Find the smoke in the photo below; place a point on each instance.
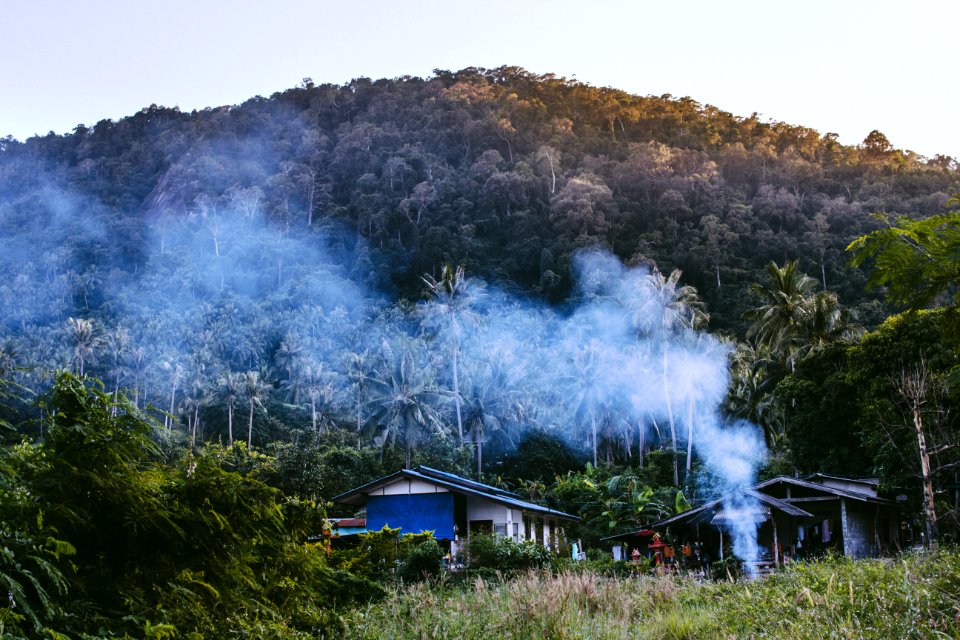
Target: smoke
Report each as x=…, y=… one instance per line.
x=214, y=283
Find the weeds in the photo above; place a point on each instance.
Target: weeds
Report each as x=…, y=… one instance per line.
x=916, y=596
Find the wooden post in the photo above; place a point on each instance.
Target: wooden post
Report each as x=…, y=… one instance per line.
x=776, y=541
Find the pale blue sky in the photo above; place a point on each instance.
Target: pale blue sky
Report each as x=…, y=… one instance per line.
x=846, y=67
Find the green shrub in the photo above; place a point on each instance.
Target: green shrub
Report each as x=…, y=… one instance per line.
x=422, y=561
x=600, y=562
x=491, y=553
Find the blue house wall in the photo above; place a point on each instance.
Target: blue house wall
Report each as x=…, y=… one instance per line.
x=413, y=513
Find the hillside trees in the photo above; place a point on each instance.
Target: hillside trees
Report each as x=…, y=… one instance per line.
x=213, y=237
x=791, y=323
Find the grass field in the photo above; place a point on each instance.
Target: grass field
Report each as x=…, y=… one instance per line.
x=913, y=596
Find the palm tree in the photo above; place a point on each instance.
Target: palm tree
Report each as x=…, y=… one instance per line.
x=310, y=379
x=665, y=310
x=451, y=296
x=229, y=387
x=118, y=344
x=754, y=375
x=588, y=389
x=176, y=372
x=254, y=389
x=137, y=364
x=85, y=341
x=196, y=398
x=491, y=405
x=780, y=321
x=358, y=371
x=827, y=323
x=289, y=354
x=402, y=403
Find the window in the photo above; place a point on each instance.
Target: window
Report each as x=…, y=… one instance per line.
x=481, y=527
x=516, y=531
x=500, y=529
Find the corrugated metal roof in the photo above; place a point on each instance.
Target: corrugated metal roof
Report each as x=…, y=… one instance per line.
x=453, y=483
x=843, y=493
x=709, y=512
x=443, y=475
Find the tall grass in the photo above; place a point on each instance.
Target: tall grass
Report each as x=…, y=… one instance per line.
x=915, y=596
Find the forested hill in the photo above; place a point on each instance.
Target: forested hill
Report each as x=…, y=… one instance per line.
x=502, y=171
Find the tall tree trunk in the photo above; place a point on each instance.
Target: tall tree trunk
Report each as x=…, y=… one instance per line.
x=553, y=175
x=689, y=436
x=250, y=429
x=359, y=407
x=313, y=411
x=230, y=423
x=823, y=269
x=929, y=508
x=673, y=428
x=116, y=394
x=914, y=386
x=173, y=395
x=456, y=393
x=196, y=419
x=480, y=457
x=593, y=429
x=641, y=441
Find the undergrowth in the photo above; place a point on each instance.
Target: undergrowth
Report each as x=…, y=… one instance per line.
x=914, y=596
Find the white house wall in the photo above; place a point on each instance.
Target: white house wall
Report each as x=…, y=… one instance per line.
x=480, y=509
x=403, y=486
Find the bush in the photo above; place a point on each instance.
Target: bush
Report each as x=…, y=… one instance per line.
x=422, y=561
x=384, y=555
x=490, y=553
x=600, y=562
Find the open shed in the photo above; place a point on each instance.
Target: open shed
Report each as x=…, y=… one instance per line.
x=794, y=517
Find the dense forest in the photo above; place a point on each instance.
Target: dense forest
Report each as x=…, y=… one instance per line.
x=594, y=297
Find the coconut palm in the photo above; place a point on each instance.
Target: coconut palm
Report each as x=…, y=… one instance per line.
x=229, y=389
x=588, y=389
x=491, y=405
x=175, y=369
x=85, y=342
x=359, y=368
x=403, y=402
x=254, y=389
x=662, y=309
x=196, y=397
x=451, y=298
x=781, y=319
x=311, y=380
x=754, y=375
x=827, y=323
x=289, y=354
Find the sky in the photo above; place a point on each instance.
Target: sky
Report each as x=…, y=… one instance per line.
x=841, y=66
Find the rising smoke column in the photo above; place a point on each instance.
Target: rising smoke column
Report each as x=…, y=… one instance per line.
x=217, y=286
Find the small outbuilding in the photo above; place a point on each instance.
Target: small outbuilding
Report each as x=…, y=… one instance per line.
x=794, y=518
x=453, y=507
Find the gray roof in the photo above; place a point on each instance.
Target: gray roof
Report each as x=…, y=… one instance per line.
x=453, y=483
x=843, y=493
x=706, y=513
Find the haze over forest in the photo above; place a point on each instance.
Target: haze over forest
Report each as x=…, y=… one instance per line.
x=502, y=274
x=220, y=239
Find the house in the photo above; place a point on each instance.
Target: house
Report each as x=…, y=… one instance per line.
x=795, y=518
x=425, y=499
